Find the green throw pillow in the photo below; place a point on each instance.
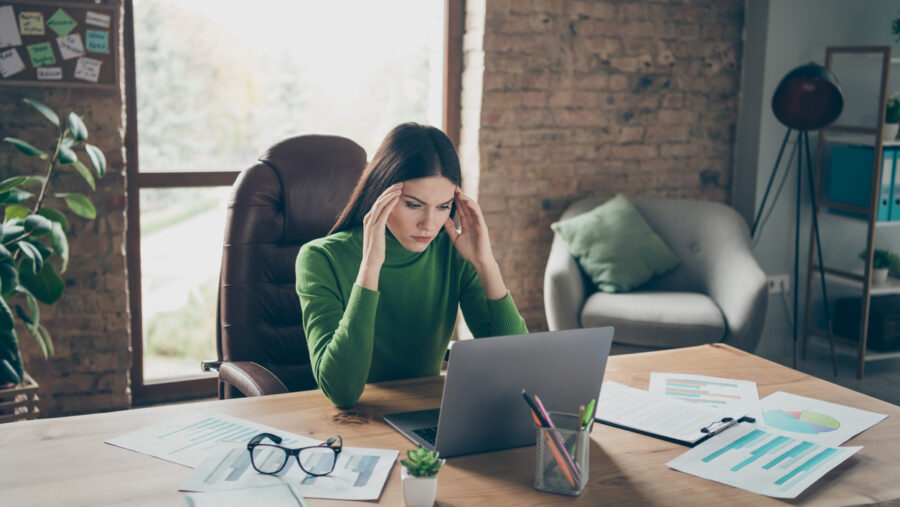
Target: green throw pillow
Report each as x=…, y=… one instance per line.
x=615, y=246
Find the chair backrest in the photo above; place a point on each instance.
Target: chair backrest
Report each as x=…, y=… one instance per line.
x=293, y=195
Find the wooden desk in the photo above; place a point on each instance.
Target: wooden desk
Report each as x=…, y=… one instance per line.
x=64, y=461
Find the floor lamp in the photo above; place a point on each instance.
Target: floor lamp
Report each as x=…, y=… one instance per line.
x=808, y=98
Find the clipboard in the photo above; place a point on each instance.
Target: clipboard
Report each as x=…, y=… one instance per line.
x=642, y=412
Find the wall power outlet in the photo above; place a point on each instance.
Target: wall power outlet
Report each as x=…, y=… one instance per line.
x=779, y=283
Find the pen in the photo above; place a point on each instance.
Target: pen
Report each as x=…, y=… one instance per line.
x=588, y=413
x=551, y=444
x=546, y=415
x=581, y=415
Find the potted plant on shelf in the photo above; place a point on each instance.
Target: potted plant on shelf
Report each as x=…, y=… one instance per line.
x=882, y=260
x=891, y=116
x=419, y=477
x=33, y=233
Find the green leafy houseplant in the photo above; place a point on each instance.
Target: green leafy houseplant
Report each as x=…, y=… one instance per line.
x=33, y=231
x=882, y=259
x=422, y=462
x=892, y=109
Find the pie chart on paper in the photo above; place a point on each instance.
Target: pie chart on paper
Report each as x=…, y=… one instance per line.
x=800, y=421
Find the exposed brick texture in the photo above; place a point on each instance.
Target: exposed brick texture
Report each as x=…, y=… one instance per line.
x=582, y=98
x=89, y=371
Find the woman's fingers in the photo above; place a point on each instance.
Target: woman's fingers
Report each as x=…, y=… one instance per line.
x=450, y=227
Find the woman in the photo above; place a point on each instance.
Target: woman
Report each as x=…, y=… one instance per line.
x=380, y=294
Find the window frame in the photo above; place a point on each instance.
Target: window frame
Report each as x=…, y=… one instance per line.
x=205, y=385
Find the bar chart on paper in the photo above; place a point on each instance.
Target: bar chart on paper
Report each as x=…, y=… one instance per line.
x=712, y=392
x=762, y=461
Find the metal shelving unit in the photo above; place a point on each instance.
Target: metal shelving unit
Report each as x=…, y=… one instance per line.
x=871, y=136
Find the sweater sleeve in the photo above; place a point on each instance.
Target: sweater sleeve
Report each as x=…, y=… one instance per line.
x=339, y=331
x=486, y=317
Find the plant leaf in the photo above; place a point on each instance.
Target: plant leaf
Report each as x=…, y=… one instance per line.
x=16, y=211
x=77, y=128
x=55, y=216
x=9, y=276
x=42, y=337
x=31, y=253
x=98, y=159
x=79, y=204
x=12, y=182
x=15, y=196
x=60, y=244
x=26, y=147
x=85, y=173
x=38, y=225
x=7, y=321
x=8, y=373
x=46, y=285
x=31, y=181
x=66, y=155
x=12, y=229
x=44, y=110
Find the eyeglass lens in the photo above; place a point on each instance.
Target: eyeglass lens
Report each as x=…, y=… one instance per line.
x=268, y=459
x=317, y=460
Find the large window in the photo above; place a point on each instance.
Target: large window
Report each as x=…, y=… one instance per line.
x=210, y=87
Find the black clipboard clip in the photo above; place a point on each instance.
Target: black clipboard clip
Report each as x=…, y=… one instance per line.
x=716, y=427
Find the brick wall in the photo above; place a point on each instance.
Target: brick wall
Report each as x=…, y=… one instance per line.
x=584, y=98
x=89, y=371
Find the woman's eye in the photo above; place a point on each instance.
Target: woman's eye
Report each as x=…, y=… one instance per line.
x=446, y=207
x=412, y=205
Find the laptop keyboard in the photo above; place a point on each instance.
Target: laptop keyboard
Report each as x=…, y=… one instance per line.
x=427, y=434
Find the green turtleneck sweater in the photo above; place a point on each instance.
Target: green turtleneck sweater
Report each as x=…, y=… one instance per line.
x=356, y=335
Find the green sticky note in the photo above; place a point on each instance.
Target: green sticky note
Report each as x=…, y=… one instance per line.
x=61, y=23
x=41, y=54
x=97, y=41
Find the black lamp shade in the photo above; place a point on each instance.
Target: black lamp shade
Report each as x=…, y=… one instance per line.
x=808, y=98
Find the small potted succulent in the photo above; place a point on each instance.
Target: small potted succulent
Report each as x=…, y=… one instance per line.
x=882, y=260
x=891, y=116
x=419, y=477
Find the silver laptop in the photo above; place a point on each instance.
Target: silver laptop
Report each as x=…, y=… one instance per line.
x=482, y=408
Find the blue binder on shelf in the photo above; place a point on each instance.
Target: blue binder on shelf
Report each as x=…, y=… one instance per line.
x=849, y=179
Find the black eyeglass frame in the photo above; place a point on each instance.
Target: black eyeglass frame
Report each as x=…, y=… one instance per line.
x=256, y=441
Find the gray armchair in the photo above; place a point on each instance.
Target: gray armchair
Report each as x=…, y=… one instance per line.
x=717, y=293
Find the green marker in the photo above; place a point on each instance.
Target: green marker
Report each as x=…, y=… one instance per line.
x=588, y=414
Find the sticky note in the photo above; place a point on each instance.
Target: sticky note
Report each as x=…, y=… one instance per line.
x=70, y=46
x=97, y=41
x=61, y=23
x=31, y=23
x=10, y=62
x=87, y=69
x=41, y=54
x=49, y=73
x=97, y=19
x=9, y=31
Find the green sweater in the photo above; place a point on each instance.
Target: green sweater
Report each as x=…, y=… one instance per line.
x=356, y=335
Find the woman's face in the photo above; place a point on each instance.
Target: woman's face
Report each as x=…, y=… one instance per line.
x=423, y=208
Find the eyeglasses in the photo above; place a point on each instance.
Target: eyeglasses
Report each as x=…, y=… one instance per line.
x=316, y=460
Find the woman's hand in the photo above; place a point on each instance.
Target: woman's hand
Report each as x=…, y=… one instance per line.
x=374, y=224
x=473, y=243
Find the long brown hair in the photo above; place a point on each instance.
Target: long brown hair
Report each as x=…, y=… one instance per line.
x=409, y=151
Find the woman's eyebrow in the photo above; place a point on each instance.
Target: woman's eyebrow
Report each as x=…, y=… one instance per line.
x=423, y=202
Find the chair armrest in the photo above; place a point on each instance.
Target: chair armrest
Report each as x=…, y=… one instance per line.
x=252, y=379
x=563, y=288
x=740, y=289
x=210, y=365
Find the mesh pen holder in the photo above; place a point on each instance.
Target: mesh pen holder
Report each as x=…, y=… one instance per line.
x=548, y=475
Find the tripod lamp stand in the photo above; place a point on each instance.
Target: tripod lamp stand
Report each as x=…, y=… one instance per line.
x=807, y=98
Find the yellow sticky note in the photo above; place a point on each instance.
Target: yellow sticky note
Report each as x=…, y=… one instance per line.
x=31, y=23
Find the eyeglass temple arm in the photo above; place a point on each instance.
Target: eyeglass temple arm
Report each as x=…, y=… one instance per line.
x=275, y=438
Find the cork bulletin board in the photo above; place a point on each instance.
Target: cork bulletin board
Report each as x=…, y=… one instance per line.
x=61, y=44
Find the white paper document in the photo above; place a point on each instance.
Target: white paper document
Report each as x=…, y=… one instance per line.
x=70, y=46
x=49, y=73
x=97, y=19
x=815, y=420
x=760, y=460
x=10, y=62
x=190, y=439
x=9, y=29
x=713, y=392
x=88, y=69
x=640, y=410
x=279, y=495
x=359, y=474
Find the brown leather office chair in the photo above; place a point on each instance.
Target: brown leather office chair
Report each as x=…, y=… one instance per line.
x=293, y=195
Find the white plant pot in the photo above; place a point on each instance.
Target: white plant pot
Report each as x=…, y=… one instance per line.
x=879, y=276
x=890, y=131
x=418, y=491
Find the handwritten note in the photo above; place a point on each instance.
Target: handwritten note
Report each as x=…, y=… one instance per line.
x=97, y=19
x=61, y=23
x=31, y=23
x=9, y=31
x=97, y=41
x=49, y=73
x=10, y=62
x=41, y=54
x=87, y=69
x=70, y=46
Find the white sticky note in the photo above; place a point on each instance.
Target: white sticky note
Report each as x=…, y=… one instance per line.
x=70, y=46
x=97, y=19
x=9, y=29
x=49, y=73
x=87, y=69
x=10, y=62
x=31, y=23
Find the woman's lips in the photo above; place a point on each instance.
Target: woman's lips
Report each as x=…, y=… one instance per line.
x=422, y=239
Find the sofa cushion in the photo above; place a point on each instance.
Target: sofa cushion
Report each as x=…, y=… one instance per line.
x=656, y=319
x=615, y=246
